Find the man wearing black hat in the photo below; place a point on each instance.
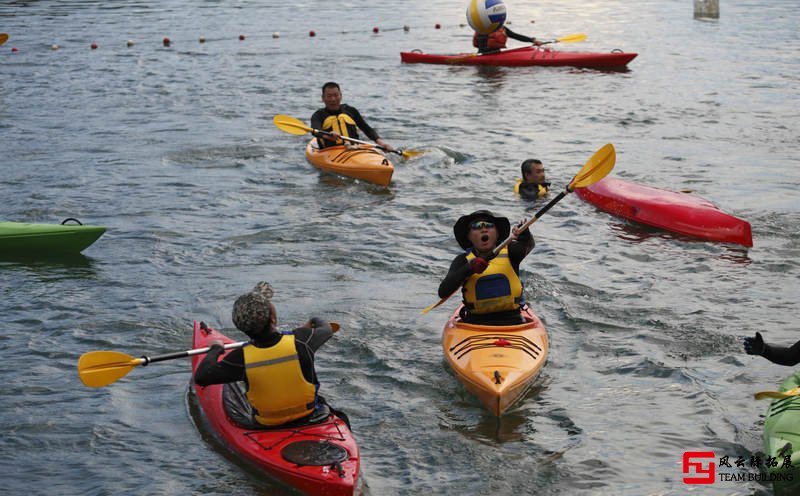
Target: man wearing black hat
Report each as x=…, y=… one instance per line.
x=490, y=285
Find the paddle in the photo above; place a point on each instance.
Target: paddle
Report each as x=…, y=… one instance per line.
x=777, y=394
x=598, y=167
x=570, y=38
x=291, y=125
x=101, y=368
x=3, y=38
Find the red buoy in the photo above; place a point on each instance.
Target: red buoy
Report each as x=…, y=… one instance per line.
x=438, y=26
x=94, y=46
x=241, y=37
x=167, y=42
x=312, y=33
x=375, y=29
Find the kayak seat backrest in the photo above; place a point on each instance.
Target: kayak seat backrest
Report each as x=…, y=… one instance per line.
x=241, y=412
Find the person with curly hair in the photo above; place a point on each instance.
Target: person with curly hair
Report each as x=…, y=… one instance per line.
x=277, y=368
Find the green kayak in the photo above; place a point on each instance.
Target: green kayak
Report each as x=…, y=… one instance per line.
x=19, y=238
x=782, y=438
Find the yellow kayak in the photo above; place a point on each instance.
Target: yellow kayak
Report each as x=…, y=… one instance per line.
x=358, y=162
x=496, y=363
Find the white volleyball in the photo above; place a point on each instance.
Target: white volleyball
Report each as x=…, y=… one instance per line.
x=486, y=16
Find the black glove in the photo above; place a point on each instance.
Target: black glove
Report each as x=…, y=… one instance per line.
x=754, y=345
x=478, y=265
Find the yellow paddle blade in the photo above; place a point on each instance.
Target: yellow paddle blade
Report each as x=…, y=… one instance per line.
x=101, y=368
x=598, y=167
x=411, y=153
x=428, y=309
x=3, y=38
x=572, y=38
x=289, y=124
x=777, y=394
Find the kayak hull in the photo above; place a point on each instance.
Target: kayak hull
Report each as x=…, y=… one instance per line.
x=782, y=438
x=526, y=56
x=681, y=213
x=358, y=162
x=497, y=364
x=19, y=238
x=265, y=449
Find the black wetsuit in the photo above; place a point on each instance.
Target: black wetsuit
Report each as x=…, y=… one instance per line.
x=320, y=115
x=231, y=368
x=460, y=271
x=782, y=355
x=530, y=191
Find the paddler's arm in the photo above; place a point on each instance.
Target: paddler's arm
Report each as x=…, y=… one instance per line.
x=521, y=37
x=776, y=354
x=362, y=124
x=314, y=333
x=459, y=271
x=229, y=369
x=520, y=247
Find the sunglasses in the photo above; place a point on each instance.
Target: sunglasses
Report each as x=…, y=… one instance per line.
x=480, y=224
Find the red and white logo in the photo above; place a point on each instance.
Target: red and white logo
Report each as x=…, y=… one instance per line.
x=699, y=467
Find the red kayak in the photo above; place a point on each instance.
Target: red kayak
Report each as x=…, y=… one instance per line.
x=317, y=459
x=670, y=210
x=524, y=57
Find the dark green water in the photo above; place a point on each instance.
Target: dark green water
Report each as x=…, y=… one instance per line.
x=175, y=151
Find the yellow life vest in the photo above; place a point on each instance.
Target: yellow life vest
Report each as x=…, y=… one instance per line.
x=277, y=388
x=497, y=289
x=541, y=189
x=341, y=124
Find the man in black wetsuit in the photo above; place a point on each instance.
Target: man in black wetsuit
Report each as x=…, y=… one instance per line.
x=775, y=354
x=277, y=367
x=533, y=184
x=492, y=290
x=339, y=119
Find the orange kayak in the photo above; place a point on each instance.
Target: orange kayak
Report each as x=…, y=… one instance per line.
x=496, y=363
x=358, y=162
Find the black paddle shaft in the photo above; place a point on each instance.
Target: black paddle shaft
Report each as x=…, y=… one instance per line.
x=534, y=218
x=552, y=202
x=183, y=354
x=161, y=358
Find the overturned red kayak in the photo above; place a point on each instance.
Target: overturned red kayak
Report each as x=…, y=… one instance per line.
x=319, y=458
x=681, y=213
x=526, y=56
